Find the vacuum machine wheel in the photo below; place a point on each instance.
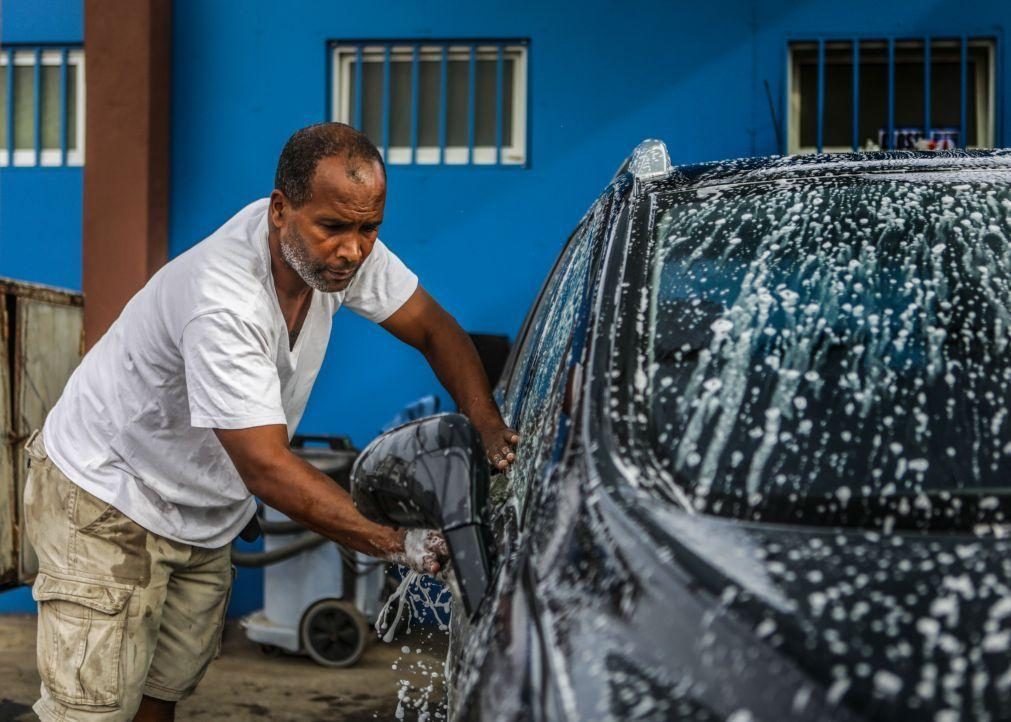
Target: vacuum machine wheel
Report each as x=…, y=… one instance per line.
x=333, y=633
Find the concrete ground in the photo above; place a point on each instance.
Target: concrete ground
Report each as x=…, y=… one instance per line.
x=245, y=684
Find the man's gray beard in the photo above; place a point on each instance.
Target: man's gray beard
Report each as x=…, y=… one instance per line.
x=294, y=254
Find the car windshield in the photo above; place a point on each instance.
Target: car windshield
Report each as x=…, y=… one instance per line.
x=819, y=345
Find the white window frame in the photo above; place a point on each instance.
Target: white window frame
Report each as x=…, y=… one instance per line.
x=50, y=157
x=985, y=99
x=343, y=58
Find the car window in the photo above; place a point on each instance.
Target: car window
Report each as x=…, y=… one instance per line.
x=829, y=346
x=535, y=397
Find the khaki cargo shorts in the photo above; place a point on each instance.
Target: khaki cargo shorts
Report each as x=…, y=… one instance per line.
x=123, y=612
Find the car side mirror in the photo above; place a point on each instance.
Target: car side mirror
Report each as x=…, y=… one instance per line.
x=432, y=473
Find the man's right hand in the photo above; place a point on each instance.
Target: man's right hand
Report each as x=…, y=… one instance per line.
x=424, y=550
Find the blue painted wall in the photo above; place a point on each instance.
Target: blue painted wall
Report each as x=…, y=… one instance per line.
x=41, y=21
x=603, y=75
x=40, y=225
x=40, y=208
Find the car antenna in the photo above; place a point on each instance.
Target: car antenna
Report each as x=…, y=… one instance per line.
x=775, y=121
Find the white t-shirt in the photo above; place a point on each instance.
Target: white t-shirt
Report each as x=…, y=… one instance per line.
x=202, y=346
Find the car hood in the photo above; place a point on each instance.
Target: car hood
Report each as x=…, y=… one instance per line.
x=888, y=625
x=638, y=611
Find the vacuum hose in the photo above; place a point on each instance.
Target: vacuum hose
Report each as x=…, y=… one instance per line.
x=338, y=455
x=280, y=527
x=308, y=540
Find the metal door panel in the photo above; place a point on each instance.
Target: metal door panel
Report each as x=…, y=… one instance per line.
x=47, y=350
x=41, y=342
x=8, y=496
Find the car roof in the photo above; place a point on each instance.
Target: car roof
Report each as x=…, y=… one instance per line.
x=825, y=164
x=795, y=167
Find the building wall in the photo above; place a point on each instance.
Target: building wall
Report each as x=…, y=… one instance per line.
x=40, y=225
x=603, y=76
x=40, y=208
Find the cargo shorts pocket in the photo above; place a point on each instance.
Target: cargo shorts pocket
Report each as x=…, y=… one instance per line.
x=80, y=638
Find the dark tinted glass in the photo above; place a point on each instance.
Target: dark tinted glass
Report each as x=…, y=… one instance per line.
x=842, y=340
x=535, y=397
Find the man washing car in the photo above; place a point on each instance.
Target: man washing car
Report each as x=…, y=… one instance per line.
x=146, y=467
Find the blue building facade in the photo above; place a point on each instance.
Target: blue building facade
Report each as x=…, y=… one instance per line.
x=602, y=76
x=40, y=207
x=714, y=80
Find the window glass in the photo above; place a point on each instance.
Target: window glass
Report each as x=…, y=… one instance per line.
x=50, y=106
x=72, y=110
x=372, y=100
x=24, y=107
x=400, y=101
x=457, y=102
x=826, y=349
x=508, y=94
x=430, y=80
x=534, y=399
x=873, y=112
x=838, y=97
x=944, y=85
x=484, y=120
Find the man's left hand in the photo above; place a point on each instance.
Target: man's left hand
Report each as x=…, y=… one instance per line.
x=500, y=443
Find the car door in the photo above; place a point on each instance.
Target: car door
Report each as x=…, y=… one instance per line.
x=534, y=397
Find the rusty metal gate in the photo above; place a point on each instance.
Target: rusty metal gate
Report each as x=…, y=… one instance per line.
x=41, y=342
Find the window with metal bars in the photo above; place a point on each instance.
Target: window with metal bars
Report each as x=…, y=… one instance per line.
x=891, y=94
x=41, y=106
x=435, y=102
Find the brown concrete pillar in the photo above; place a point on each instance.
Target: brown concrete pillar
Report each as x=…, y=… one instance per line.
x=127, y=46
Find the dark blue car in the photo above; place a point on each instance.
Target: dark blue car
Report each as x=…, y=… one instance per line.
x=766, y=454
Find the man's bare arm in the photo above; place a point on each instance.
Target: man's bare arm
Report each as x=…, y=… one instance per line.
x=273, y=472
x=422, y=323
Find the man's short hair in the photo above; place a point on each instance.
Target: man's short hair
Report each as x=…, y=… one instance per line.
x=308, y=146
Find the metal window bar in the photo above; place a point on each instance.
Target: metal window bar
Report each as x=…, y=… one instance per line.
x=821, y=93
x=63, y=106
x=359, y=94
x=926, y=85
x=386, y=103
x=10, y=107
x=499, y=102
x=890, y=138
x=856, y=95
x=417, y=53
x=415, y=102
x=963, y=64
x=927, y=100
x=37, y=110
x=443, y=95
x=471, y=103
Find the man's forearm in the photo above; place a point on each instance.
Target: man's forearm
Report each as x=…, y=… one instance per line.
x=455, y=361
x=425, y=325
x=306, y=495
